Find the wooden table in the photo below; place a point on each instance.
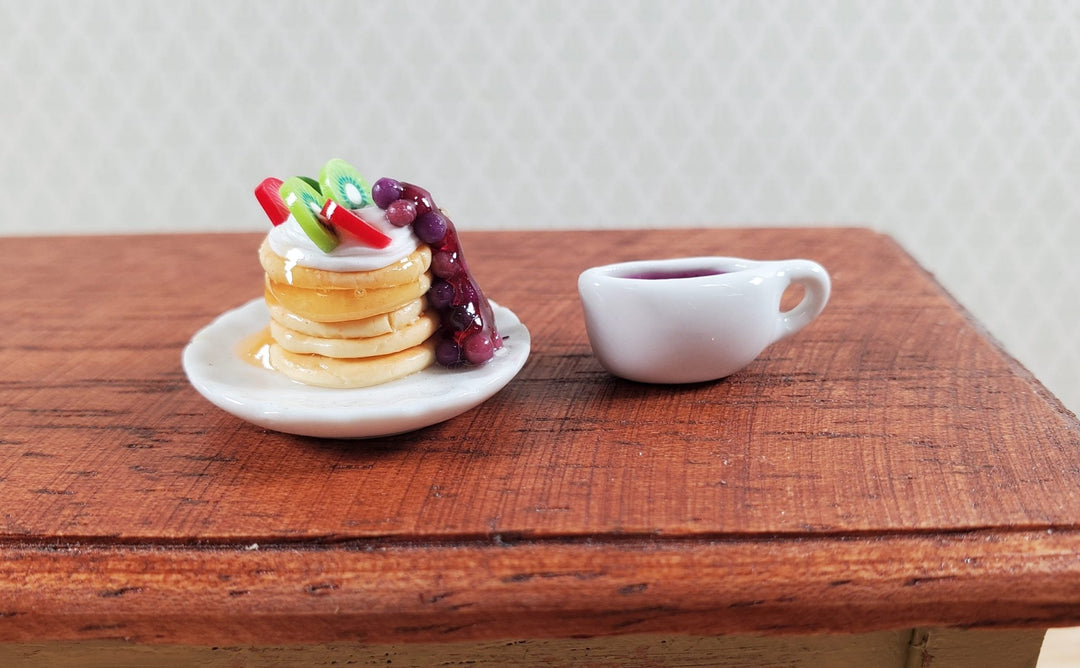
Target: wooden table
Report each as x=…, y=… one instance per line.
x=885, y=483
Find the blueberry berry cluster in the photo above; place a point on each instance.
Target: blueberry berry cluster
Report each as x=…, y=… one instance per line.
x=467, y=333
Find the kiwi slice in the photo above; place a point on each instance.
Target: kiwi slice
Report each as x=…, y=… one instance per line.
x=304, y=204
x=340, y=181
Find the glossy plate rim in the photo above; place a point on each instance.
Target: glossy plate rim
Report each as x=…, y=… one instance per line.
x=266, y=398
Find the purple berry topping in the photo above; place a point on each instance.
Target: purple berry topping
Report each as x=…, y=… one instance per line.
x=430, y=227
x=479, y=347
x=401, y=212
x=444, y=264
x=386, y=191
x=462, y=317
x=447, y=351
x=440, y=295
x=467, y=334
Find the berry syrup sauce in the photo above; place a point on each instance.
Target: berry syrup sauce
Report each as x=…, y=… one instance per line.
x=467, y=333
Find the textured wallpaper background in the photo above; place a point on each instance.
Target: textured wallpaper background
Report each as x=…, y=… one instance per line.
x=953, y=126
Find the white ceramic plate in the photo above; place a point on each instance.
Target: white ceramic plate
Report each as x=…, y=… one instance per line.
x=269, y=399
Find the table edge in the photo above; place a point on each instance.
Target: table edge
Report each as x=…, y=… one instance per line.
x=284, y=594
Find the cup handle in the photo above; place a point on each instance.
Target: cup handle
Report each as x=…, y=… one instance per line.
x=815, y=280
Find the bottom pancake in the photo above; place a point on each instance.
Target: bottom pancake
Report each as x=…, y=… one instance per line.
x=351, y=373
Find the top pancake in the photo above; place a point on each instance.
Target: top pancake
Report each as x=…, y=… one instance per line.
x=405, y=270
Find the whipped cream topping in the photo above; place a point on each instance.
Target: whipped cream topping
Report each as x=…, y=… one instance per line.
x=289, y=241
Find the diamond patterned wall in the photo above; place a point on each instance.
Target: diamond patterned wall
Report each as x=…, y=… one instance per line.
x=953, y=126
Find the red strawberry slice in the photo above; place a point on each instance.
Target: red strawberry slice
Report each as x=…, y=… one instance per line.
x=267, y=194
x=347, y=220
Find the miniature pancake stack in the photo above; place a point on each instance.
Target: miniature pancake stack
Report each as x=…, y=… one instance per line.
x=349, y=329
x=366, y=285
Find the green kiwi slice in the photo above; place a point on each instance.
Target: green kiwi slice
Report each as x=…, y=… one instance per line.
x=340, y=181
x=305, y=203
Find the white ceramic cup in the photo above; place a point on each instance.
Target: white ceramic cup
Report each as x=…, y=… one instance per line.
x=694, y=319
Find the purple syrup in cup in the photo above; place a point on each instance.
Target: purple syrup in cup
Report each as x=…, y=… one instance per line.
x=663, y=275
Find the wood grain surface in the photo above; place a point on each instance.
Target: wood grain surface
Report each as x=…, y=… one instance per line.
x=889, y=466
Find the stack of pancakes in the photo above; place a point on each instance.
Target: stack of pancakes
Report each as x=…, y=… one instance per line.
x=349, y=329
